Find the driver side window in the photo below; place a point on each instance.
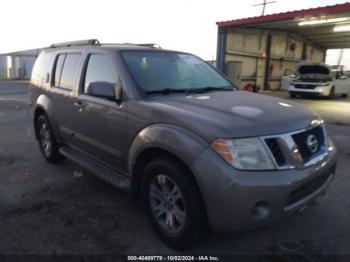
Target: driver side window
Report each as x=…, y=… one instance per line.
x=100, y=69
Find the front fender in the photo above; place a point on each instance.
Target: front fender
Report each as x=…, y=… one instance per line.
x=180, y=142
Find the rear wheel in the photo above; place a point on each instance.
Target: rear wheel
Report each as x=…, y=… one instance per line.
x=344, y=95
x=173, y=203
x=48, y=143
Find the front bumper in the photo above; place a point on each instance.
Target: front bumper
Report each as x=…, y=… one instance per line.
x=318, y=90
x=240, y=200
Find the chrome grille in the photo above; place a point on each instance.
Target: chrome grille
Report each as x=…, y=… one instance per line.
x=276, y=151
x=291, y=150
x=305, y=86
x=301, y=142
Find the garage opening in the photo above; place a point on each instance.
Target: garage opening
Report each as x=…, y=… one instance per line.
x=262, y=51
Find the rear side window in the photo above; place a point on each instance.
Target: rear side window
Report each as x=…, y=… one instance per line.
x=58, y=70
x=67, y=79
x=100, y=69
x=42, y=69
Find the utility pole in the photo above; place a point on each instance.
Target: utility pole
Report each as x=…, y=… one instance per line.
x=264, y=5
x=340, y=57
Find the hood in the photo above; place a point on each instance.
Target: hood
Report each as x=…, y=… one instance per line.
x=314, y=69
x=231, y=114
x=314, y=72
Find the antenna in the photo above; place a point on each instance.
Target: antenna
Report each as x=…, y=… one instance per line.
x=264, y=5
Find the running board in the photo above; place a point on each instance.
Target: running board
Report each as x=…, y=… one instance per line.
x=90, y=164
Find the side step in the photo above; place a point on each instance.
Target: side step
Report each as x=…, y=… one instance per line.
x=107, y=174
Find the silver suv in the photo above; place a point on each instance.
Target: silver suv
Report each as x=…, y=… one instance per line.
x=171, y=129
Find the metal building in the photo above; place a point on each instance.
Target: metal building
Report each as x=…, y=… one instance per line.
x=260, y=50
x=18, y=65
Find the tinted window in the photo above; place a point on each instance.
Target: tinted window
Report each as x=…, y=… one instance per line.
x=42, y=69
x=58, y=69
x=100, y=69
x=68, y=75
x=156, y=70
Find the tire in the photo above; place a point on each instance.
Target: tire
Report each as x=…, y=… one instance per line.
x=344, y=95
x=292, y=95
x=48, y=143
x=173, y=203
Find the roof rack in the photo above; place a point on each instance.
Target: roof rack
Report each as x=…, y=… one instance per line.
x=152, y=45
x=76, y=43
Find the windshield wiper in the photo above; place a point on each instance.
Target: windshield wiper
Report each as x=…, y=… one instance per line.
x=211, y=88
x=166, y=91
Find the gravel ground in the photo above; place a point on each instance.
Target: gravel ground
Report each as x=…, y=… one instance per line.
x=51, y=209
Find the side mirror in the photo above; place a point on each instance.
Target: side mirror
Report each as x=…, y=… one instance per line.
x=119, y=95
x=102, y=89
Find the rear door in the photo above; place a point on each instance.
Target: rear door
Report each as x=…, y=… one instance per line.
x=102, y=123
x=64, y=82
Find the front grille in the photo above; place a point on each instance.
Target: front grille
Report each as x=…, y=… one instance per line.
x=304, y=86
x=309, y=188
x=276, y=151
x=301, y=142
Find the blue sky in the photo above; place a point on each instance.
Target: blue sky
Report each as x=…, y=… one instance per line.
x=186, y=25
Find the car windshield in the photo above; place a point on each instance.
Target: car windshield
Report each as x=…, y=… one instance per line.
x=155, y=71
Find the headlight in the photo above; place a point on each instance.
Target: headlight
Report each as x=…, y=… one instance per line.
x=245, y=153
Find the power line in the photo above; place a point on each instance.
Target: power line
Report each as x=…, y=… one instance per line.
x=264, y=5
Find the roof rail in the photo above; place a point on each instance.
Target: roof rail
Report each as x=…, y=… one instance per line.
x=147, y=44
x=151, y=45
x=76, y=43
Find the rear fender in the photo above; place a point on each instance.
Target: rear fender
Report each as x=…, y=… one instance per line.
x=44, y=103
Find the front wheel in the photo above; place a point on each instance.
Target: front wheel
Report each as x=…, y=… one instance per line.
x=173, y=203
x=48, y=143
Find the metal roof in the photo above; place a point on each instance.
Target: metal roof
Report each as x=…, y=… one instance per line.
x=29, y=52
x=316, y=24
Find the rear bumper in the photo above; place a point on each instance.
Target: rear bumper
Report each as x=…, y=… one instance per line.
x=240, y=200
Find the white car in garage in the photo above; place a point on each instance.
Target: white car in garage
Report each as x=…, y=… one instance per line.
x=319, y=80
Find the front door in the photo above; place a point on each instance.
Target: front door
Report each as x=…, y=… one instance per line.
x=101, y=132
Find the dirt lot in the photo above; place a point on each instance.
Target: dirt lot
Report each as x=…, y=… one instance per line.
x=46, y=209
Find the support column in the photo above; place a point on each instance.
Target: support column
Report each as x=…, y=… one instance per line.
x=267, y=63
x=221, y=49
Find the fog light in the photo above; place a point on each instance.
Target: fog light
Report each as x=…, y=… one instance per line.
x=261, y=210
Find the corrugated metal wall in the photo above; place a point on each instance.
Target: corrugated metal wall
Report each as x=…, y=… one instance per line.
x=248, y=47
x=3, y=67
x=18, y=65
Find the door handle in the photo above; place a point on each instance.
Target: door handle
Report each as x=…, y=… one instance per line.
x=79, y=105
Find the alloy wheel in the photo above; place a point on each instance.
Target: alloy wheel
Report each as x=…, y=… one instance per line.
x=45, y=139
x=167, y=204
